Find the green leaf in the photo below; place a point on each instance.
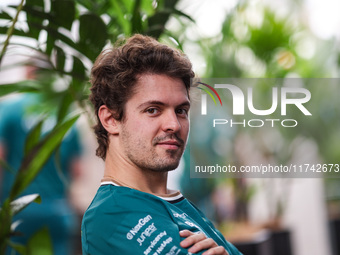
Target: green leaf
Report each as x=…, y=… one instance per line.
x=3, y=31
x=78, y=78
x=5, y=166
x=54, y=34
x=180, y=13
x=171, y=39
x=33, y=137
x=64, y=107
x=157, y=21
x=136, y=22
x=78, y=71
x=60, y=59
x=50, y=42
x=63, y=12
x=93, y=34
x=36, y=3
x=120, y=14
x=10, y=31
x=157, y=24
x=61, y=175
x=36, y=13
x=148, y=7
x=33, y=17
x=33, y=162
x=22, y=202
x=18, y=247
x=5, y=15
x=5, y=219
x=40, y=243
x=274, y=34
x=25, y=86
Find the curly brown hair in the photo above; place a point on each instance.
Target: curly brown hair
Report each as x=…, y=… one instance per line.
x=116, y=71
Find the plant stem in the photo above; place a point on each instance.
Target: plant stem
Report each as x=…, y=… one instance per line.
x=10, y=30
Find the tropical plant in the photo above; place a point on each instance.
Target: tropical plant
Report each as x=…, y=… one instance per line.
x=65, y=37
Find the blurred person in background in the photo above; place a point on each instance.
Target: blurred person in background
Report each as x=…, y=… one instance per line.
x=18, y=114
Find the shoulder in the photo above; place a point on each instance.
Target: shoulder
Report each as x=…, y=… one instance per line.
x=120, y=206
x=115, y=200
x=121, y=219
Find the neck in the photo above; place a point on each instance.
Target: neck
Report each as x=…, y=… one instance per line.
x=129, y=175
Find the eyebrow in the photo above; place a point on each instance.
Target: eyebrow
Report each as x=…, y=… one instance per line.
x=155, y=102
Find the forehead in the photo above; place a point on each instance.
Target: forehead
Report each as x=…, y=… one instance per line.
x=160, y=87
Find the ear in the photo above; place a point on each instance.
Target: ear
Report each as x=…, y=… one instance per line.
x=108, y=121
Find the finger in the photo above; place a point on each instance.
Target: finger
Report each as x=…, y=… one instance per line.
x=207, y=243
x=185, y=233
x=191, y=240
x=219, y=250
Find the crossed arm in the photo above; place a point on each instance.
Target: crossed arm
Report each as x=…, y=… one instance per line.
x=199, y=242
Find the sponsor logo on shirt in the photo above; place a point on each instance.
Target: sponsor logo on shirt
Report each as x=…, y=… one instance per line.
x=183, y=215
x=146, y=233
x=162, y=246
x=154, y=242
x=140, y=224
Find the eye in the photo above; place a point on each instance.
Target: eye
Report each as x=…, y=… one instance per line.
x=152, y=111
x=182, y=111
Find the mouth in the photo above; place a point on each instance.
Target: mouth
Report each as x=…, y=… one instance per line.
x=169, y=144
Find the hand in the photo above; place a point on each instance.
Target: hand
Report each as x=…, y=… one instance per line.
x=199, y=242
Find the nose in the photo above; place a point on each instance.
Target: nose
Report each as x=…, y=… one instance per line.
x=171, y=123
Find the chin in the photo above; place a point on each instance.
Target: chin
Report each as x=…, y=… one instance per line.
x=165, y=168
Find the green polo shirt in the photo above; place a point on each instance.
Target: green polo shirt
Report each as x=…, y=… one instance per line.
x=122, y=220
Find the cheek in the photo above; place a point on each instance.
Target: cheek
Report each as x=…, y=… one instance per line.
x=185, y=127
x=137, y=126
x=185, y=124
x=144, y=128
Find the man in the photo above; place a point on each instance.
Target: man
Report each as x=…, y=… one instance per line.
x=140, y=92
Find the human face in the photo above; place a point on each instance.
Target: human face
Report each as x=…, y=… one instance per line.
x=155, y=126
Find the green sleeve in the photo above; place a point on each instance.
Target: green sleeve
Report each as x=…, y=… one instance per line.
x=138, y=233
x=148, y=229
x=232, y=250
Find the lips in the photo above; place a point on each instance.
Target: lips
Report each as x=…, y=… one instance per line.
x=170, y=144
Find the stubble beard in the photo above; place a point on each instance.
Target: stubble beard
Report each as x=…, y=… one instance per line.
x=148, y=159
